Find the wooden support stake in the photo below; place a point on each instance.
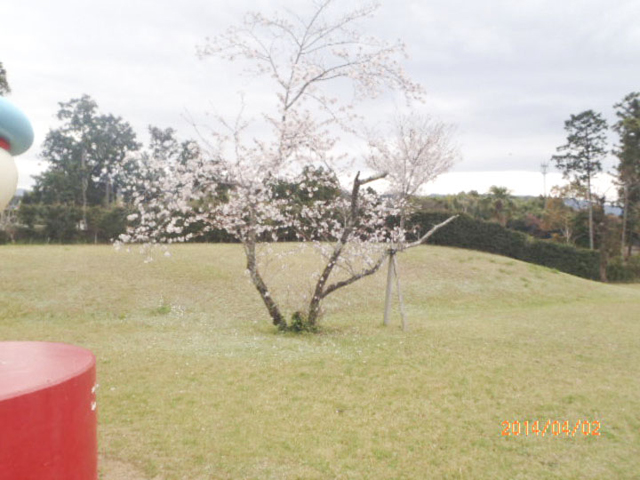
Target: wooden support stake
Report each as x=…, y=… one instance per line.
x=405, y=326
x=387, y=298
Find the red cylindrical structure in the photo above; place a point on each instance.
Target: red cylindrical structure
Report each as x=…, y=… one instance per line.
x=47, y=412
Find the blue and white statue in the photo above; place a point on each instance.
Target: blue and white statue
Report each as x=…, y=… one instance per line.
x=16, y=136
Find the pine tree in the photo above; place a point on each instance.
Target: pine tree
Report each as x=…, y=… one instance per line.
x=580, y=159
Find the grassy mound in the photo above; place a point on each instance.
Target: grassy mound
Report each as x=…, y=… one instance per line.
x=195, y=383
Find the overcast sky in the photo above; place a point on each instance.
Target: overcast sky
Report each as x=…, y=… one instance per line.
x=507, y=73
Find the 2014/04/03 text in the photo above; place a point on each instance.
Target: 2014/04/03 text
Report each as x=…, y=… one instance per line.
x=555, y=428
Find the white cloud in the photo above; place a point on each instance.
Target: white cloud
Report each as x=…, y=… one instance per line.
x=507, y=73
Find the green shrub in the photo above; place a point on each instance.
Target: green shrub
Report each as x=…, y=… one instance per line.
x=299, y=324
x=105, y=224
x=61, y=222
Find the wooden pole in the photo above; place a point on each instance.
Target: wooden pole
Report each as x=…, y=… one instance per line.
x=393, y=271
x=405, y=326
x=387, y=298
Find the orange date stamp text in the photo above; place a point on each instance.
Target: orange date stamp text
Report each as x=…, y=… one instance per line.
x=553, y=428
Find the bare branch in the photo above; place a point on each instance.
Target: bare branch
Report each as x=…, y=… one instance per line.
x=347, y=19
x=365, y=273
x=433, y=230
x=372, y=178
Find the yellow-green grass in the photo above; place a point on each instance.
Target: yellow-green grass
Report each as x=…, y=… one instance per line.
x=196, y=384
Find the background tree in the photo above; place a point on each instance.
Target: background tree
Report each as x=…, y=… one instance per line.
x=302, y=57
x=84, y=154
x=163, y=143
x=608, y=235
x=558, y=217
x=628, y=153
x=4, y=84
x=582, y=155
x=470, y=203
x=500, y=204
x=315, y=184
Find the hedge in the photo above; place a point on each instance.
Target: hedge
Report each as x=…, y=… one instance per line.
x=619, y=271
x=39, y=223
x=466, y=232
x=58, y=223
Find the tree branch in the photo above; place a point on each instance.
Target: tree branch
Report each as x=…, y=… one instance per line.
x=372, y=178
x=426, y=236
x=365, y=273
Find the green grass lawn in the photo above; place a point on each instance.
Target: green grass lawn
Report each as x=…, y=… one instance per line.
x=196, y=384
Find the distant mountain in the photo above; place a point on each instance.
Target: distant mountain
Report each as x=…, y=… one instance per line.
x=581, y=204
x=569, y=202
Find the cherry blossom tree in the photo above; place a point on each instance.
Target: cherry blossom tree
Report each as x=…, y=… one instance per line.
x=236, y=182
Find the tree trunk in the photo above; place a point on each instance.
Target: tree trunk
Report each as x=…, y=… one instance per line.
x=85, y=187
x=604, y=260
x=603, y=230
x=319, y=292
x=624, y=222
x=249, y=245
x=567, y=232
x=258, y=282
x=590, y=213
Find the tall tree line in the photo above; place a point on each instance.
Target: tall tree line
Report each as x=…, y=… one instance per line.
x=82, y=194
x=580, y=160
x=628, y=152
